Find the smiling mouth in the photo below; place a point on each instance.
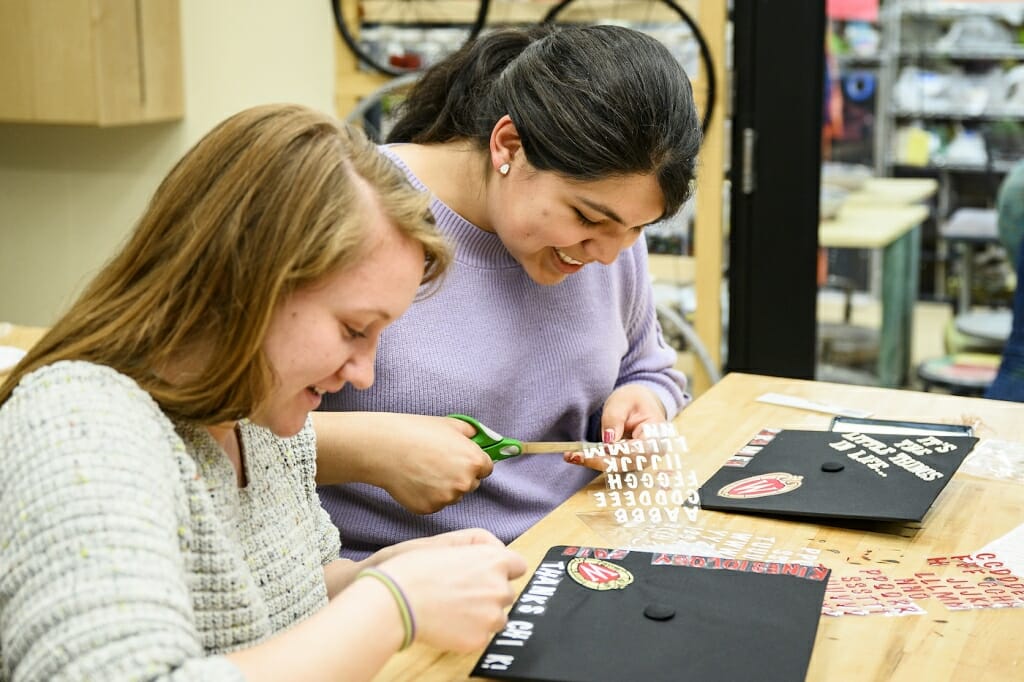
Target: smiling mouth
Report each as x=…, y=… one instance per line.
x=566, y=259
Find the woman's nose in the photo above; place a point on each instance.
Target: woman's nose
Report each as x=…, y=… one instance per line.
x=358, y=369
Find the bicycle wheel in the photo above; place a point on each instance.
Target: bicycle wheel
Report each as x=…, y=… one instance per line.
x=373, y=112
x=660, y=19
x=397, y=37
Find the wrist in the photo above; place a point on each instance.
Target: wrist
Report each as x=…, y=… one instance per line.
x=399, y=599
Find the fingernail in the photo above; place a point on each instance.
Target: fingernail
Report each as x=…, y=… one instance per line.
x=609, y=435
x=573, y=458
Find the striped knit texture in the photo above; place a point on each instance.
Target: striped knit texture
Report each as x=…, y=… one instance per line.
x=127, y=550
x=532, y=362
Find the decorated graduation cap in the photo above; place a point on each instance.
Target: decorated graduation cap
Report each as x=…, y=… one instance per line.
x=851, y=475
x=610, y=615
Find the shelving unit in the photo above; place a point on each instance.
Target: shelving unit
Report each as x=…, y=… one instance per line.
x=958, y=125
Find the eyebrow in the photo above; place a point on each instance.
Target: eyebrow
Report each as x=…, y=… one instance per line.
x=601, y=208
x=376, y=313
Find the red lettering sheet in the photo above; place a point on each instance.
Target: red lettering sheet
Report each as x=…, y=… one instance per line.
x=958, y=582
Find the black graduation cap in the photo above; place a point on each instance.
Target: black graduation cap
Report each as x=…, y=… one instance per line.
x=602, y=615
x=851, y=475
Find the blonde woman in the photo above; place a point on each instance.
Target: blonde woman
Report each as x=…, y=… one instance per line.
x=158, y=513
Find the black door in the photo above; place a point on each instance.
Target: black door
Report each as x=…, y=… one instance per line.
x=778, y=73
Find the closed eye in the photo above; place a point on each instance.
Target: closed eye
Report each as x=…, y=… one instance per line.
x=353, y=334
x=584, y=220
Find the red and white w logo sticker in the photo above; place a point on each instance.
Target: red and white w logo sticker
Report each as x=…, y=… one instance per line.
x=597, y=574
x=762, y=485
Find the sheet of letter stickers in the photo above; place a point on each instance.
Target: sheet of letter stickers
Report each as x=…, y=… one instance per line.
x=697, y=541
x=645, y=481
x=657, y=509
x=985, y=579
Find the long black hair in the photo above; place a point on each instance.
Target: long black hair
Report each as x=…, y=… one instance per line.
x=589, y=102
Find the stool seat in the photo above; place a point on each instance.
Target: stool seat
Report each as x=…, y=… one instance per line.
x=956, y=341
x=990, y=325
x=967, y=374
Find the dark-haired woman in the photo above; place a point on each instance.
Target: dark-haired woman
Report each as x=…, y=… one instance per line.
x=547, y=151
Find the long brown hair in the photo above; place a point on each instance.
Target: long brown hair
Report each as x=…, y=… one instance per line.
x=265, y=203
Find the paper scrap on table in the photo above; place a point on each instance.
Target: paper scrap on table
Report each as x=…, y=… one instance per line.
x=1001, y=460
x=1009, y=549
x=9, y=357
x=804, y=404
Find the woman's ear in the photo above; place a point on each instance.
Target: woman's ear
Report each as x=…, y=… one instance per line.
x=505, y=145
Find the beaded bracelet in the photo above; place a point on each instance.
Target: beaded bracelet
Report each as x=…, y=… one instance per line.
x=408, y=622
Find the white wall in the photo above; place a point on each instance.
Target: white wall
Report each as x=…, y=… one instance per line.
x=69, y=195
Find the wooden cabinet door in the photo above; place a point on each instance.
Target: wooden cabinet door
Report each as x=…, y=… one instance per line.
x=97, y=62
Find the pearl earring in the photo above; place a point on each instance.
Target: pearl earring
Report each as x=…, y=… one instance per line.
x=504, y=168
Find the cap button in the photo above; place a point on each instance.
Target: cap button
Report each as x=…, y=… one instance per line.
x=659, y=611
x=832, y=467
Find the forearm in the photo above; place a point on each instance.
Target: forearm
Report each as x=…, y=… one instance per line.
x=351, y=638
x=347, y=443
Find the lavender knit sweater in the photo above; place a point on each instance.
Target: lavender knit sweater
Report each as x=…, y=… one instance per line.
x=532, y=362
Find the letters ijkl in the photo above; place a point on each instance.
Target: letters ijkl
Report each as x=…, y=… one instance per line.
x=660, y=490
x=878, y=456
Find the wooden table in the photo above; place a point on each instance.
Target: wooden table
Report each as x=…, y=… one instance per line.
x=885, y=215
x=895, y=231
x=939, y=645
x=893, y=192
x=18, y=337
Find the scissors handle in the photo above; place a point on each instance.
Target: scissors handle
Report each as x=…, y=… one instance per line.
x=494, y=444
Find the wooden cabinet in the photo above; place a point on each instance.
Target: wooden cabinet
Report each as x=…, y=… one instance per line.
x=92, y=62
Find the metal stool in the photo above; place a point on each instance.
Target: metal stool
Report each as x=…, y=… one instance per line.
x=963, y=374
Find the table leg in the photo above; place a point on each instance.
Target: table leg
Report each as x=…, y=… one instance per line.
x=900, y=264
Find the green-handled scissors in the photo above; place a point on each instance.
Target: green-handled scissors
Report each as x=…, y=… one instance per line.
x=498, y=447
x=494, y=444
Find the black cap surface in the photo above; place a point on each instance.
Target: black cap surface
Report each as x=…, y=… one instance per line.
x=878, y=477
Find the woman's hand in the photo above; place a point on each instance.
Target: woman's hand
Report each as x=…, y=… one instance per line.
x=627, y=409
x=425, y=463
x=458, y=586
x=625, y=412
